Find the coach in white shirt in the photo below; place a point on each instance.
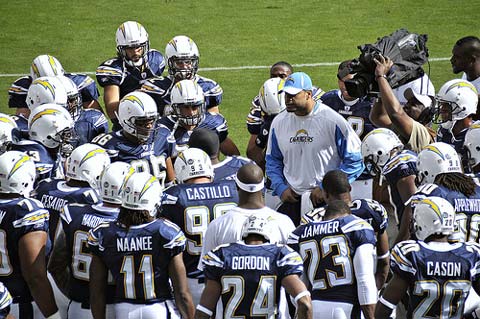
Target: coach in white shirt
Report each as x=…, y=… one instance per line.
x=306, y=142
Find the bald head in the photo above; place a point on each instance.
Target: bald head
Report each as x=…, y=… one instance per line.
x=250, y=174
x=470, y=45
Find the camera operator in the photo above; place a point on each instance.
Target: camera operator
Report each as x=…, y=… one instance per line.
x=412, y=121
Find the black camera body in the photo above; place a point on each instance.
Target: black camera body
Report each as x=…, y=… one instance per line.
x=408, y=51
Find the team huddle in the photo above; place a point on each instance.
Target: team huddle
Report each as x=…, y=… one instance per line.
x=345, y=207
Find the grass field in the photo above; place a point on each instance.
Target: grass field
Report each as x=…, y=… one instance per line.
x=81, y=35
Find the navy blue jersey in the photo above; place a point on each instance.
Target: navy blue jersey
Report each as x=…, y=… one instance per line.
x=148, y=157
x=77, y=221
x=399, y=166
x=22, y=123
x=17, y=93
x=255, y=117
x=138, y=258
x=159, y=89
x=116, y=72
x=446, y=136
x=328, y=248
x=262, y=136
x=228, y=168
x=192, y=207
x=18, y=217
x=251, y=277
x=467, y=209
x=212, y=121
x=367, y=209
x=439, y=276
x=56, y=194
x=89, y=124
x=46, y=162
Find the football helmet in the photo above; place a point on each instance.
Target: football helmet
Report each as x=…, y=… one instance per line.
x=471, y=144
x=74, y=98
x=377, y=147
x=137, y=113
x=7, y=124
x=142, y=191
x=86, y=163
x=45, y=65
x=17, y=173
x=456, y=100
x=188, y=102
x=132, y=34
x=112, y=180
x=434, y=159
x=259, y=225
x=46, y=89
x=433, y=215
x=51, y=125
x=182, y=57
x=272, y=98
x=191, y=163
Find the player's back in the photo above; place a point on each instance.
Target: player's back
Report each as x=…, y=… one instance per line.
x=328, y=248
x=467, y=209
x=251, y=277
x=17, y=218
x=439, y=276
x=46, y=163
x=192, y=207
x=90, y=123
x=138, y=258
x=77, y=221
x=228, y=168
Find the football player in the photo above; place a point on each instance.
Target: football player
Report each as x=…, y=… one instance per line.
x=437, y=274
x=207, y=140
x=138, y=142
x=182, y=58
x=472, y=148
x=70, y=259
x=336, y=187
x=339, y=264
x=50, y=131
x=457, y=104
x=247, y=275
x=201, y=200
x=23, y=232
x=188, y=113
x=47, y=65
x=144, y=255
x=83, y=169
x=356, y=111
x=385, y=158
x=135, y=62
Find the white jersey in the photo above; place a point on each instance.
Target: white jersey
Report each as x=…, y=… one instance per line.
x=227, y=228
x=476, y=82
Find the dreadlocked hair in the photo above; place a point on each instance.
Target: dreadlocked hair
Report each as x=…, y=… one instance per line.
x=457, y=182
x=129, y=217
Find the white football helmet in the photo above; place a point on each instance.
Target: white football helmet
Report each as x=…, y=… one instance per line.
x=86, y=163
x=132, y=34
x=456, y=100
x=188, y=94
x=45, y=65
x=46, y=89
x=433, y=215
x=377, y=147
x=7, y=124
x=112, y=181
x=74, y=98
x=50, y=125
x=259, y=225
x=437, y=158
x=191, y=163
x=142, y=191
x=472, y=144
x=137, y=113
x=17, y=173
x=182, y=57
x=272, y=97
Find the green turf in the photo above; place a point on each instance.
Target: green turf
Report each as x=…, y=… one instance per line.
x=81, y=34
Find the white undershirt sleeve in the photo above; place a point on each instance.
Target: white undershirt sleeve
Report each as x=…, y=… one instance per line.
x=364, y=265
